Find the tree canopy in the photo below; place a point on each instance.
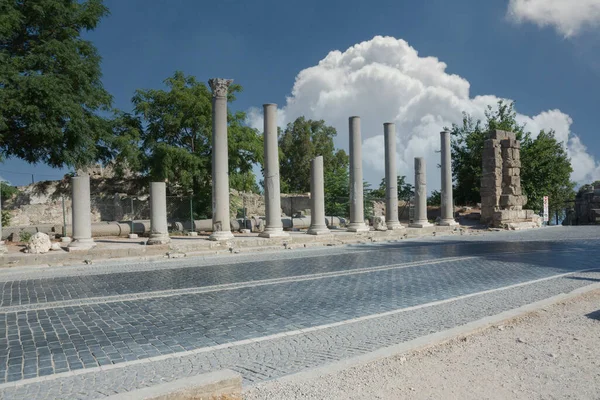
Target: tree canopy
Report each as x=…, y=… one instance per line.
x=168, y=136
x=545, y=166
x=50, y=88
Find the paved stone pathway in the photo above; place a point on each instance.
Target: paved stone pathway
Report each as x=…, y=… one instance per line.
x=88, y=332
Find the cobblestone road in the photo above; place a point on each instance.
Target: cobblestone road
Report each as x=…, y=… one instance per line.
x=90, y=332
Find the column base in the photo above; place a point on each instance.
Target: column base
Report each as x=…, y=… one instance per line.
x=221, y=235
x=81, y=245
x=273, y=233
x=420, y=224
x=158, y=239
x=448, y=222
x=318, y=230
x=394, y=226
x=357, y=227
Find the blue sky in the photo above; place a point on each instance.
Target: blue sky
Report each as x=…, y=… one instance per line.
x=265, y=44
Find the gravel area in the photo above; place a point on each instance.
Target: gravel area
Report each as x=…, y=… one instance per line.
x=552, y=353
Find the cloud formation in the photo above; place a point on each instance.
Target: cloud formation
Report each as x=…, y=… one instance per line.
x=568, y=17
x=385, y=80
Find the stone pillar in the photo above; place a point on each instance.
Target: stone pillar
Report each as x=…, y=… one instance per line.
x=3, y=248
x=357, y=214
x=274, y=226
x=317, y=198
x=420, y=217
x=391, y=178
x=159, y=229
x=82, y=211
x=447, y=206
x=220, y=161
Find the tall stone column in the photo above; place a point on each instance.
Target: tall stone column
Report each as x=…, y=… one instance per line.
x=357, y=214
x=274, y=226
x=317, y=198
x=3, y=248
x=420, y=216
x=447, y=218
x=159, y=229
x=220, y=161
x=391, y=178
x=82, y=214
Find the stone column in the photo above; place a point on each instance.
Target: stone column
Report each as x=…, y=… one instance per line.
x=274, y=226
x=159, y=229
x=220, y=161
x=447, y=209
x=317, y=198
x=82, y=214
x=357, y=214
x=3, y=248
x=391, y=178
x=420, y=217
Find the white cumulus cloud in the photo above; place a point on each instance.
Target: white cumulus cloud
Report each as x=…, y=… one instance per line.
x=385, y=80
x=569, y=17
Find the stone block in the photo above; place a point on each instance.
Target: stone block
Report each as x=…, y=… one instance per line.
x=497, y=134
x=512, y=190
x=511, y=172
x=508, y=201
x=39, y=243
x=512, y=163
x=379, y=224
x=511, y=180
x=510, y=143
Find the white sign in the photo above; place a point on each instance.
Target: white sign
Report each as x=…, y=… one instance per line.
x=546, y=215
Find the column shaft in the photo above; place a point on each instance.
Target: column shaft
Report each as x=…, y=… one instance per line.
x=420, y=216
x=447, y=206
x=159, y=228
x=220, y=161
x=3, y=248
x=391, y=178
x=274, y=226
x=317, y=198
x=81, y=213
x=357, y=215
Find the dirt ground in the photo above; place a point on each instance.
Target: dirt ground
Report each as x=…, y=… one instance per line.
x=553, y=353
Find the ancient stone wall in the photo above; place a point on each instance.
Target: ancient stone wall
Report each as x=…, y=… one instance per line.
x=587, y=207
x=502, y=198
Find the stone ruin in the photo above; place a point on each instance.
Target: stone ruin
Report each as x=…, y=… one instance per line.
x=587, y=207
x=502, y=198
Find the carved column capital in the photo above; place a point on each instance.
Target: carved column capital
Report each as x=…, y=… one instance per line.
x=219, y=86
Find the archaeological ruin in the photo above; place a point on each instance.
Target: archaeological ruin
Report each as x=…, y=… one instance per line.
x=502, y=198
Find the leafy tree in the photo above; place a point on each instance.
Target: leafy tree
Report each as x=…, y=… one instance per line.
x=546, y=172
x=467, y=148
x=435, y=199
x=405, y=190
x=7, y=191
x=50, y=88
x=545, y=169
x=169, y=137
x=337, y=186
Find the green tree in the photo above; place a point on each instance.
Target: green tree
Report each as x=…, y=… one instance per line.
x=546, y=172
x=50, y=88
x=7, y=191
x=435, y=199
x=302, y=141
x=405, y=190
x=467, y=148
x=169, y=137
x=545, y=166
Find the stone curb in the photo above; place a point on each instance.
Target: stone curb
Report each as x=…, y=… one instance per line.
x=223, y=384
x=434, y=339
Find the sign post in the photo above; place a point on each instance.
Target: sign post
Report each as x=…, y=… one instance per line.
x=546, y=214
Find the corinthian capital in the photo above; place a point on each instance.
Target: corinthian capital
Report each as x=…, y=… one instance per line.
x=219, y=86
